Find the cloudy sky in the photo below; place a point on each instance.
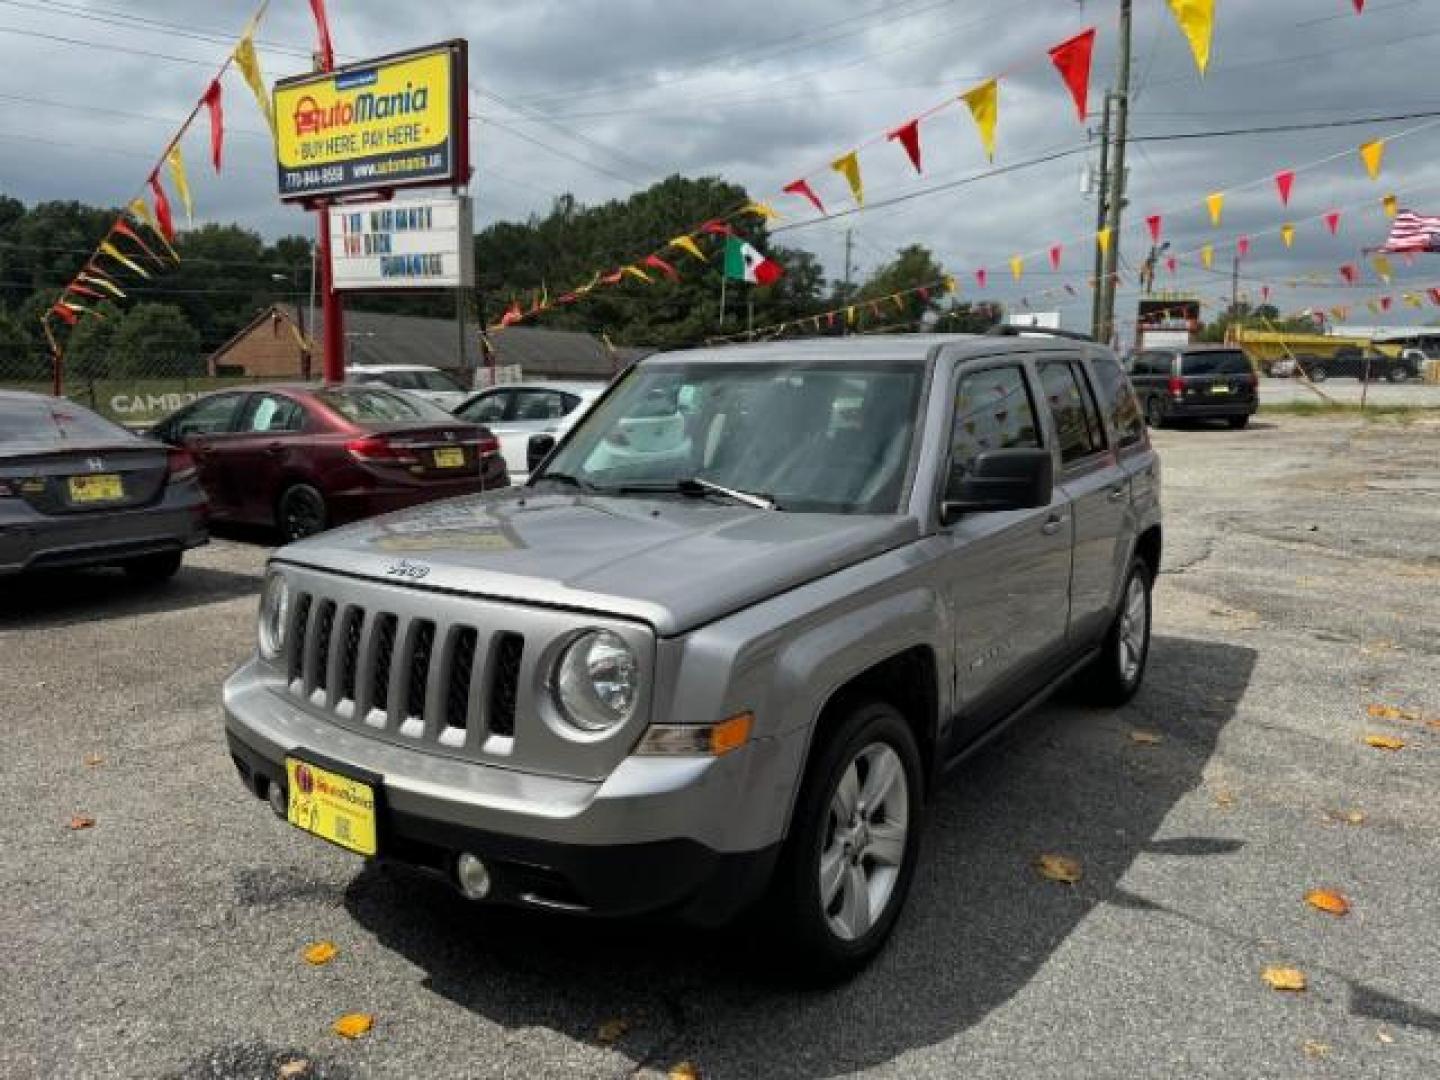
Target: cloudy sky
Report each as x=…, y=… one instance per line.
x=602, y=97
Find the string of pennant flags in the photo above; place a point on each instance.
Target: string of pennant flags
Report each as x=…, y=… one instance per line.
x=141, y=239
x=1071, y=60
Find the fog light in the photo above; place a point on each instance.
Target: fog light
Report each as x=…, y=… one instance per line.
x=472, y=876
x=278, y=802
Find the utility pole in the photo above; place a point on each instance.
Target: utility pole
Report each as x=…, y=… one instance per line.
x=1101, y=210
x=849, y=240
x=1116, y=185
x=1234, y=283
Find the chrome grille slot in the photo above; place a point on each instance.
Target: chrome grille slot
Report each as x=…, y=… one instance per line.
x=385, y=631
x=462, y=673
x=324, y=629
x=295, y=664
x=421, y=648
x=349, y=650
x=506, y=654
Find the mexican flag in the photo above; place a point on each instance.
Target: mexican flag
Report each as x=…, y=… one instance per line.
x=744, y=263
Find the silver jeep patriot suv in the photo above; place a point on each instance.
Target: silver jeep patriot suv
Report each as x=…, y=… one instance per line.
x=726, y=640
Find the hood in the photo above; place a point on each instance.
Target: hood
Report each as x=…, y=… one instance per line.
x=671, y=562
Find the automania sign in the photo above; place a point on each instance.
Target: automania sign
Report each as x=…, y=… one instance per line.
x=396, y=121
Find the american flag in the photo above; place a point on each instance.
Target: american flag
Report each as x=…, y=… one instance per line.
x=1413, y=232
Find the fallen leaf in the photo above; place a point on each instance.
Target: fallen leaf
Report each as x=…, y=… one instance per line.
x=1328, y=900
x=1384, y=1036
x=1284, y=978
x=1355, y=817
x=1315, y=1049
x=91, y=760
x=1391, y=712
x=612, y=1031
x=1384, y=742
x=321, y=952
x=81, y=821
x=1059, y=868
x=1224, y=798
x=684, y=1071
x=353, y=1025
x=292, y=1070
x=1146, y=738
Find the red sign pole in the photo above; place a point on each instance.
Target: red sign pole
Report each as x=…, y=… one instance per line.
x=332, y=313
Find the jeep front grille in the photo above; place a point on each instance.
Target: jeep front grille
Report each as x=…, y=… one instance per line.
x=448, y=684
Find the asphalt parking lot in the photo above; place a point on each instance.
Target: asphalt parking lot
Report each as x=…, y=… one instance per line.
x=1299, y=596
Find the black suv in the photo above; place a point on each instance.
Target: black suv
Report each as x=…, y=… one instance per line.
x=1196, y=382
x=1349, y=362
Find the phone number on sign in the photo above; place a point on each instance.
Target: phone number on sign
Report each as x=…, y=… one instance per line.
x=308, y=178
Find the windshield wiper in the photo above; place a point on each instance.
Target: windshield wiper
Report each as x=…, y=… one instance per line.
x=694, y=486
x=567, y=479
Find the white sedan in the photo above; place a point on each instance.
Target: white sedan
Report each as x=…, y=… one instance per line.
x=516, y=411
x=435, y=386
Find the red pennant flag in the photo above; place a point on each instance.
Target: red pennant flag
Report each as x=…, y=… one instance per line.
x=162, y=209
x=217, y=122
x=1264, y=294
x=717, y=227
x=1359, y=7
x=125, y=230
x=830, y=318
x=322, y=26
x=513, y=314
x=665, y=268
x=1153, y=224
x=924, y=293
x=1385, y=303
x=1285, y=181
x=1072, y=59
x=65, y=313
x=1332, y=221
x=612, y=279
x=1242, y=246
x=1055, y=253
x=908, y=135
x=980, y=276
x=85, y=290
x=805, y=191
x=1349, y=273
x=1170, y=264
x=1434, y=296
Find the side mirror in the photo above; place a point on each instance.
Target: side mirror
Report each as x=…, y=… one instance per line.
x=537, y=450
x=1018, y=479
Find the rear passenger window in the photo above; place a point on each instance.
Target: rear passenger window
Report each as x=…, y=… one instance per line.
x=1076, y=419
x=993, y=411
x=1117, y=401
x=269, y=412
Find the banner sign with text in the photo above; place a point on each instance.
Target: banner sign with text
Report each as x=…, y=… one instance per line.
x=396, y=121
x=403, y=244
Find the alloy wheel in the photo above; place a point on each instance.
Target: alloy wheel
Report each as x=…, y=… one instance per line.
x=1134, y=630
x=863, y=849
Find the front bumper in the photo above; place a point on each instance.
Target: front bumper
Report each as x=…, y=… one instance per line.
x=656, y=835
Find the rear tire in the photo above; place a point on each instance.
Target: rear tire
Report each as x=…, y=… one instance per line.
x=1239, y=422
x=848, y=862
x=1154, y=412
x=1318, y=374
x=153, y=569
x=302, y=513
x=1398, y=374
x=1115, y=675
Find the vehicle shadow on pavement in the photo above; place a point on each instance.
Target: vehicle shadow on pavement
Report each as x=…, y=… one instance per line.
x=64, y=598
x=981, y=922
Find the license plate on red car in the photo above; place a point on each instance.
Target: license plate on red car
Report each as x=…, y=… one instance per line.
x=449, y=457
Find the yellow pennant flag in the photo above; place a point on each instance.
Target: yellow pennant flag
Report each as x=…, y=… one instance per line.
x=899, y=302
x=848, y=166
x=850, y=315
x=1207, y=256
x=1197, y=20
x=1287, y=234
x=1374, y=306
x=1017, y=267
x=1391, y=205
x=636, y=272
x=951, y=285
x=761, y=210
x=1103, y=239
x=1216, y=202
x=984, y=103
x=688, y=245
x=249, y=65
x=1383, y=269
x=103, y=282
x=1371, y=154
x=1412, y=299
x=115, y=253
x=182, y=185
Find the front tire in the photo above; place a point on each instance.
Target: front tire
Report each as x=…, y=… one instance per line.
x=1115, y=675
x=1318, y=374
x=153, y=569
x=850, y=857
x=1398, y=374
x=302, y=513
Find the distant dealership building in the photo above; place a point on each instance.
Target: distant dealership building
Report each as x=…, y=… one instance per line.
x=271, y=346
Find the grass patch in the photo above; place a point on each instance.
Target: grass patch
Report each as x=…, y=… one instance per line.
x=1401, y=414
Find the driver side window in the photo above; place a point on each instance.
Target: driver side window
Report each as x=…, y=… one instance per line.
x=993, y=411
x=487, y=409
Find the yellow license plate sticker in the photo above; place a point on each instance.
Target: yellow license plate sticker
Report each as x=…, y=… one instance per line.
x=98, y=487
x=1219, y=388
x=449, y=457
x=333, y=807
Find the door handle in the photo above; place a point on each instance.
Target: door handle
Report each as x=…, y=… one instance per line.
x=275, y=448
x=1117, y=494
x=1053, y=523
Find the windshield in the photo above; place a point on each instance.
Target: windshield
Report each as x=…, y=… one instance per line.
x=51, y=420
x=366, y=403
x=818, y=437
x=1215, y=363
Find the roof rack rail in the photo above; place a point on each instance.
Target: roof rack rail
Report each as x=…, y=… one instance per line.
x=1012, y=330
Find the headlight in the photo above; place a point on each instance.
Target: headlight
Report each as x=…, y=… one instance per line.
x=596, y=681
x=274, y=615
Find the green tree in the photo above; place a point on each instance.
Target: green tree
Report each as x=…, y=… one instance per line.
x=969, y=318
x=90, y=347
x=912, y=269
x=17, y=355
x=157, y=341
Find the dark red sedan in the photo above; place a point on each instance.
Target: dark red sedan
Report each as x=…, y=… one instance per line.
x=304, y=458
